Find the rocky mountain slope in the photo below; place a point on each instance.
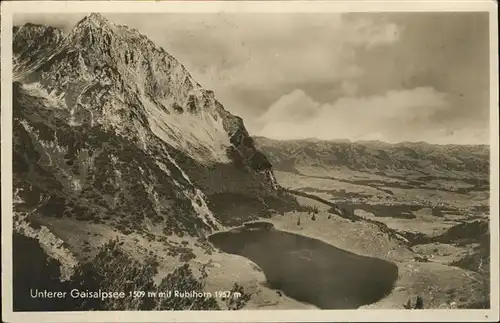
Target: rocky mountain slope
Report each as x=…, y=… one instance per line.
x=109, y=127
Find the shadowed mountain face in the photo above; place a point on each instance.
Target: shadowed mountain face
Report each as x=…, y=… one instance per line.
x=108, y=126
x=419, y=158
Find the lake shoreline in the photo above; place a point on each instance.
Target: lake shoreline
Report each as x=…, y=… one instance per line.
x=310, y=270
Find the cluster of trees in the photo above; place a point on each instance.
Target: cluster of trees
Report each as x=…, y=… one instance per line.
x=110, y=270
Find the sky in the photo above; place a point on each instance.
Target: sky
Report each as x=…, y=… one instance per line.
x=359, y=76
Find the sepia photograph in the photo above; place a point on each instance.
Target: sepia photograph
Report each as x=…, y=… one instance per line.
x=282, y=161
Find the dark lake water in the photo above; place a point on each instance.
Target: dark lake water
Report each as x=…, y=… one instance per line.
x=310, y=270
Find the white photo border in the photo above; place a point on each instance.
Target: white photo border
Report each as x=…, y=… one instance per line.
x=376, y=315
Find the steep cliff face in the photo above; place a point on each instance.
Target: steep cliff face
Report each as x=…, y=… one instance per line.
x=109, y=127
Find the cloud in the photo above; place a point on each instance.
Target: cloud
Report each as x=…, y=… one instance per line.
x=251, y=59
x=280, y=49
x=370, y=33
x=393, y=117
x=349, y=87
x=292, y=107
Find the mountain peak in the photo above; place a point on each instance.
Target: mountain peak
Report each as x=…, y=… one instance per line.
x=94, y=32
x=94, y=22
x=96, y=19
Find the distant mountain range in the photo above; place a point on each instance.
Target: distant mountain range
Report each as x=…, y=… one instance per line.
x=412, y=158
x=110, y=127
